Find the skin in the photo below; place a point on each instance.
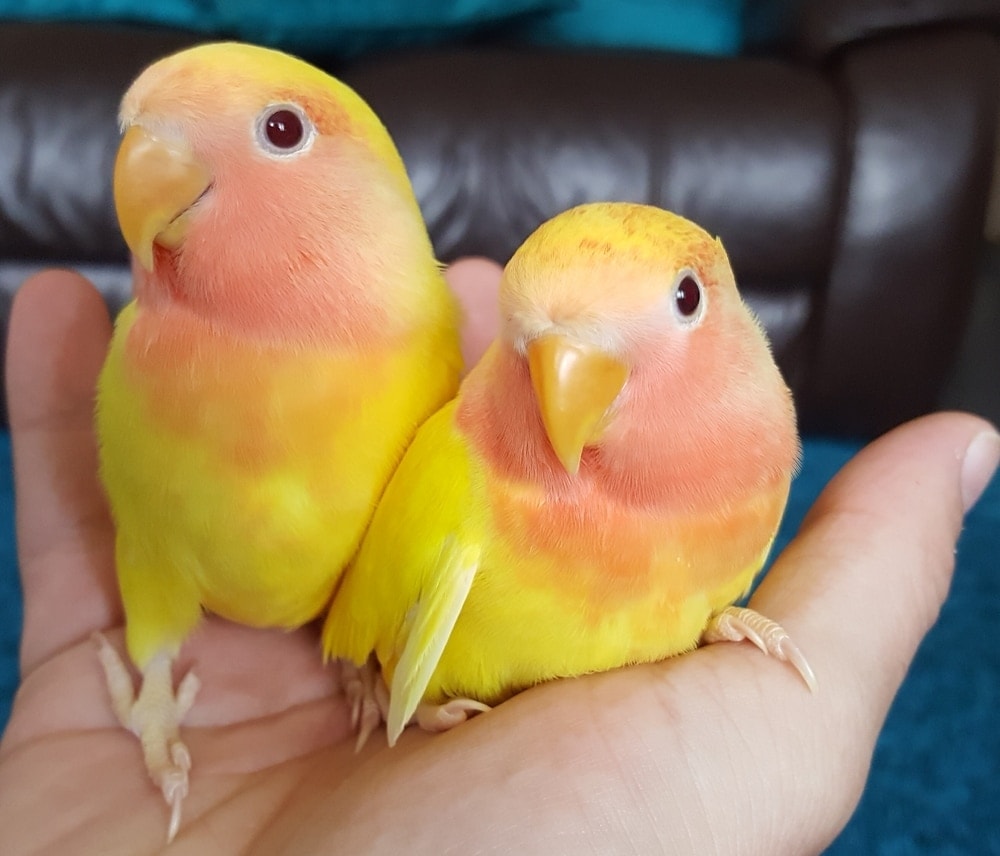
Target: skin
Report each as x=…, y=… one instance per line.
x=720, y=751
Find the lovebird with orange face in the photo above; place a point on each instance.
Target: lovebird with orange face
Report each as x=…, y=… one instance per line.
x=606, y=484
x=290, y=331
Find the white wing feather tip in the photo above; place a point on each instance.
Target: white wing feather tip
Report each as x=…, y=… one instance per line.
x=435, y=617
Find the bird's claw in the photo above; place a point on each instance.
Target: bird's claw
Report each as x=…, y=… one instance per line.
x=736, y=623
x=368, y=698
x=174, y=785
x=442, y=717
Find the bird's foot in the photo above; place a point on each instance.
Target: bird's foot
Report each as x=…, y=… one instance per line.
x=368, y=697
x=736, y=623
x=442, y=717
x=154, y=717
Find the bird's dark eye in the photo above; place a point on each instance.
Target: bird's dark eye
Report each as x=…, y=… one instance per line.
x=284, y=129
x=688, y=297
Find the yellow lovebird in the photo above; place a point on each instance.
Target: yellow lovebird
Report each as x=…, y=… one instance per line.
x=607, y=482
x=290, y=331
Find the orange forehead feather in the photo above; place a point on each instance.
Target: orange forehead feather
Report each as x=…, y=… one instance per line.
x=193, y=90
x=588, y=253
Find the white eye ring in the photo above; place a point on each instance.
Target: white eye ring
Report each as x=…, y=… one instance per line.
x=284, y=129
x=688, y=298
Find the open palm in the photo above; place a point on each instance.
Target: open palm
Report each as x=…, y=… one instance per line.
x=722, y=750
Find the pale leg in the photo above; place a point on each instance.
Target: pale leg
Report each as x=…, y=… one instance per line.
x=154, y=717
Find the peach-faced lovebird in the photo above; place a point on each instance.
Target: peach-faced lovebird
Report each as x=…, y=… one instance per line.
x=605, y=485
x=290, y=331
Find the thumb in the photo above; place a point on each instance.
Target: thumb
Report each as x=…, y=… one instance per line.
x=871, y=566
x=862, y=583
x=59, y=330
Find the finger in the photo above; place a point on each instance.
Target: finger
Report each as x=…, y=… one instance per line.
x=476, y=282
x=866, y=576
x=59, y=331
x=858, y=589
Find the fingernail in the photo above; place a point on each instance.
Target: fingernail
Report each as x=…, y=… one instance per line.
x=978, y=466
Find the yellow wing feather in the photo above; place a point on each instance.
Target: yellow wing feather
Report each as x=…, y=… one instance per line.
x=425, y=506
x=433, y=620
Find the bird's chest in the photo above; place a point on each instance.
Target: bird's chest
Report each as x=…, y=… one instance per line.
x=594, y=586
x=608, y=556
x=594, y=551
x=251, y=409
x=213, y=436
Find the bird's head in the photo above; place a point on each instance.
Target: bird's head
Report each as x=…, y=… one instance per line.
x=248, y=180
x=632, y=327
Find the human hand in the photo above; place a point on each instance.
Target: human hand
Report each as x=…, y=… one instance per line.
x=716, y=751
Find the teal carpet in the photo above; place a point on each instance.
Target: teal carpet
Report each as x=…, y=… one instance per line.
x=10, y=585
x=935, y=782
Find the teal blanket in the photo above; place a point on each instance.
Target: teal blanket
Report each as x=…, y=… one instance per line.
x=347, y=28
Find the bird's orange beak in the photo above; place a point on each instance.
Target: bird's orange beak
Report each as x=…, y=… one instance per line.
x=155, y=182
x=575, y=384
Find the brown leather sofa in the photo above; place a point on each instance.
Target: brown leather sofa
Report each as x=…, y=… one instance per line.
x=845, y=166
